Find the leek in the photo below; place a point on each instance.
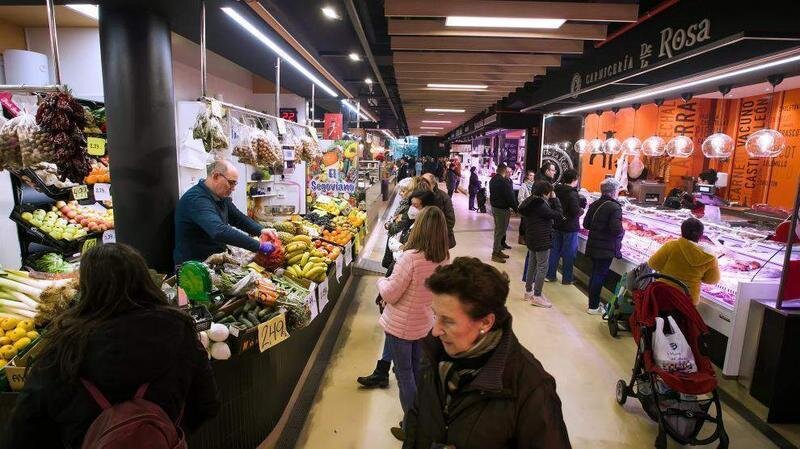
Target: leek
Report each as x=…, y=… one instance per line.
x=13, y=286
x=16, y=305
x=12, y=315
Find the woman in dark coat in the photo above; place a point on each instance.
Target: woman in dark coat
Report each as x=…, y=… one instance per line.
x=474, y=186
x=540, y=211
x=452, y=178
x=120, y=336
x=604, y=222
x=480, y=388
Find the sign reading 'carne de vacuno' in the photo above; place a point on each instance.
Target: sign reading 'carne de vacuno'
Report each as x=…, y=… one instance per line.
x=668, y=43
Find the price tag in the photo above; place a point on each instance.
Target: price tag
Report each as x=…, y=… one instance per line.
x=281, y=126
x=348, y=253
x=339, y=267
x=96, y=146
x=311, y=301
x=110, y=236
x=102, y=192
x=288, y=154
x=233, y=330
x=272, y=332
x=80, y=193
x=88, y=244
x=322, y=295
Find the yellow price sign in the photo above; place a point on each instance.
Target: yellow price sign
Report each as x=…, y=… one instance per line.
x=88, y=244
x=96, y=146
x=80, y=192
x=272, y=332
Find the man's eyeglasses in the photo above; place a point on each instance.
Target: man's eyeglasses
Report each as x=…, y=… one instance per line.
x=230, y=183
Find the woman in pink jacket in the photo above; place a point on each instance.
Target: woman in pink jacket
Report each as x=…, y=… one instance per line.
x=408, y=317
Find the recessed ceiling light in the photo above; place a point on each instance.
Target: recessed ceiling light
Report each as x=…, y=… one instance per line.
x=444, y=110
x=457, y=86
x=502, y=22
x=330, y=13
x=368, y=80
x=85, y=9
x=430, y=127
x=275, y=48
x=354, y=57
x=436, y=121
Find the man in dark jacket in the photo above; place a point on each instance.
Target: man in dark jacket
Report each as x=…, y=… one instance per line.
x=429, y=166
x=604, y=222
x=540, y=210
x=474, y=186
x=445, y=203
x=503, y=201
x=565, y=234
x=206, y=220
x=547, y=172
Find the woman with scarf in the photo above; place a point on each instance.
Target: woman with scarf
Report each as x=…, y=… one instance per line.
x=407, y=317
x=480, y=389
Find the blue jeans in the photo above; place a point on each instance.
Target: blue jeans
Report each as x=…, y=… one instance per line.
x=599, y=271
x=565, y=245
x=406, y=356
x=387, y=353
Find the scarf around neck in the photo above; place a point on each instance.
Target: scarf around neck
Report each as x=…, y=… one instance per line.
x=457, y=370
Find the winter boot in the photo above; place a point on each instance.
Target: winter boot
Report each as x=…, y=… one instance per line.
x=379, y=378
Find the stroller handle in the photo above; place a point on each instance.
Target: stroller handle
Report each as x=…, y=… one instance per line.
x=657, y=276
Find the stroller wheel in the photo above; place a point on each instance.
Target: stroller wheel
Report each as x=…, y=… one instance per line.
x=613, y=327
x=622, y=392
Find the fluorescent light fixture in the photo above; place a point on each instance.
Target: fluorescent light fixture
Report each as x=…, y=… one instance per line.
x=430, y=127
x=89, y=11
x=388, y=134
x=354, y=57
x=502, y=22
x=436, y=121
x=330, y=13
x=458, y=86
x=444, y=110
x=452, y=89
x=278, y=50
x=361, y=111
x=368, y=80
x=680, y=87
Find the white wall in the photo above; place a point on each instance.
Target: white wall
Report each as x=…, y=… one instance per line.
x=79, y=51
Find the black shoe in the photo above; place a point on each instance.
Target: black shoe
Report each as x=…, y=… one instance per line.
x=506, y=246
x=568, y=283
x=398, y=432
x=379, y=378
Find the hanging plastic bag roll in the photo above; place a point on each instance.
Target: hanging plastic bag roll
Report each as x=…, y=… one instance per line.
x=671, y=351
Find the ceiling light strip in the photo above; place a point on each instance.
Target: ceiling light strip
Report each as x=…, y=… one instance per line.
x=457, y=86
x=503, y=22
x=681, y=86
x=359, y=110
x=444, y=110
x=283, y=33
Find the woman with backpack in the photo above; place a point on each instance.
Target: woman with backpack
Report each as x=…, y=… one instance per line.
x=122, y=346
x=407, y=317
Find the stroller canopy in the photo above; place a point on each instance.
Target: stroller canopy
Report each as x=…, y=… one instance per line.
x=662, y=299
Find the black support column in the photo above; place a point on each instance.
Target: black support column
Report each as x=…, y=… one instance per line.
x=137, y=83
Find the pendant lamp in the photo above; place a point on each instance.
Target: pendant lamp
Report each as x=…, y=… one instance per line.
x=719, y=145
x=681, y=146
x=596, y=144
x=612, y=145
x=632, y=145
x=654, y=145
x=767, y=142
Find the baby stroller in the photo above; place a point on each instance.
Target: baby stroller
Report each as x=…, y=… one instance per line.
x=620, y=306
x=678, y=402
x=482, y=200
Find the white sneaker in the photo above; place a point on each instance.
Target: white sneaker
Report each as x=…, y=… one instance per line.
x=598, y=311
x=541, y=301
x=528, y=296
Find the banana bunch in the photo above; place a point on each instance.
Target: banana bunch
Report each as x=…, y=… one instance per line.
x=303, y=260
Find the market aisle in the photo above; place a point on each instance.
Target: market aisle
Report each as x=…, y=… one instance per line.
x=573, y=346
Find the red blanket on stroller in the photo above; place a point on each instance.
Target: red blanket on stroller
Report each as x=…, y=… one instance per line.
x=661, y=299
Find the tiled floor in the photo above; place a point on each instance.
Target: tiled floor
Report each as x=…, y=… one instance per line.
x=573, y=346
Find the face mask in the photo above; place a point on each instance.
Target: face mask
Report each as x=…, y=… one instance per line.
x=412, y=213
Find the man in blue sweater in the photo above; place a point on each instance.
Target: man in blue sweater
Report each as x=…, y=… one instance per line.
x=206, y=220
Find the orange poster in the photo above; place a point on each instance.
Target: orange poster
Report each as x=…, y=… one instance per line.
x=785, y=169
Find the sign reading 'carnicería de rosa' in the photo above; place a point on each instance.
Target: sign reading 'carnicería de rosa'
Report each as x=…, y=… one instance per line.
x=665, y=45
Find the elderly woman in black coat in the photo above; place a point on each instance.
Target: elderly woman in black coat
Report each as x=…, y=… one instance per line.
x=480, y=388
x=603, y=219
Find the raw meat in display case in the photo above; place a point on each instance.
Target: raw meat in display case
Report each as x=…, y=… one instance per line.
x=750, y=266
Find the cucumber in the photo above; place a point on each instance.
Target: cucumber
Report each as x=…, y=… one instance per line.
x=246, y=322
x=219, y=316
x=227, y=320
x=262, y=314
x=272, y=315
x=248, y=306
x=252, y=318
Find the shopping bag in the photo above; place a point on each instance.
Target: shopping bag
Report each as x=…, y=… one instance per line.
x=671, y=351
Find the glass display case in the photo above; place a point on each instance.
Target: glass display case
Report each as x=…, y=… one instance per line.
x=750, y=264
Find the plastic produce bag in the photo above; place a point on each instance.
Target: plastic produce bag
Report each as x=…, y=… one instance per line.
x=267, y=147
x=671, y=351
x=209, y=129
x=244, y=148
x=10, y=156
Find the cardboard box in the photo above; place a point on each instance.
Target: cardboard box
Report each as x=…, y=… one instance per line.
x=17, y=368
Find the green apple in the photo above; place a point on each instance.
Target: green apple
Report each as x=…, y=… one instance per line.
x=27, y=216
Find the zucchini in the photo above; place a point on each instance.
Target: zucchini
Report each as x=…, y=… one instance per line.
x=227, y=320
x=219, y=316
x=262, y=313
x=252, y=318
x=248, y=306
x=271, y=316
x=246, y=322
